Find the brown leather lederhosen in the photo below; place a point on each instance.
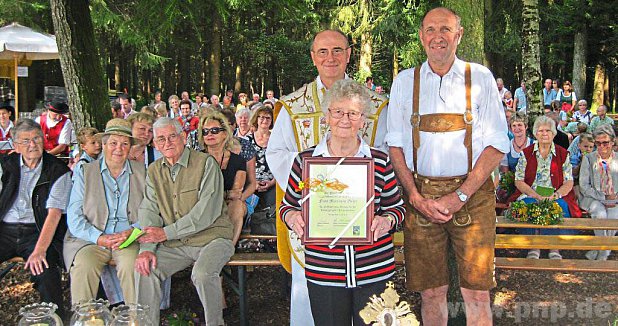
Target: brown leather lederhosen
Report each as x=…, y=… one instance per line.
x=441, y=122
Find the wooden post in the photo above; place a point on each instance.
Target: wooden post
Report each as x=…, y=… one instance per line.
x=16, y=89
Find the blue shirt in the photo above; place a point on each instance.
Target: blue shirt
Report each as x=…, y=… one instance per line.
x=520, y=95
x=117, y=197
x=548, y=96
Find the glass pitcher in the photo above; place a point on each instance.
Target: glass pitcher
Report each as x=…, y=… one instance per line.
x=39, y=314
x=91, y=313
x=131, y=315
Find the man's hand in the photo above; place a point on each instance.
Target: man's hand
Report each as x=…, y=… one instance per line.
x=36, y=261
x=152, y=235
x=295, y=221
x=145, y=261
x=451, y=202
x=431, y=209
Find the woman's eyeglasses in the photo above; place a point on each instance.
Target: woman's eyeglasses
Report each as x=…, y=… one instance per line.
x=338, y=114
x=213, y=130
x=602, y=143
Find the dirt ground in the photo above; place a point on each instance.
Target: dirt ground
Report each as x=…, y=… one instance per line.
x=521, y=297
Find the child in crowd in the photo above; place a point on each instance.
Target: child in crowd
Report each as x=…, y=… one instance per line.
x=89, y=146
x=585, y=145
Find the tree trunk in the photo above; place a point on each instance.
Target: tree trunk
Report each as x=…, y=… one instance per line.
x=472, y=13
x=598, y=94
x=81, y=67
x=530, y=57
x=365, y=55
x=395, y=63
x=238, y=77
x=215, y=55
x=579, y=61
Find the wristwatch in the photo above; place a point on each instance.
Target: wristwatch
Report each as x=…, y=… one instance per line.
x=463, y=197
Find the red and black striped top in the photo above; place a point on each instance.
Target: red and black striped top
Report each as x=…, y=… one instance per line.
x=349, y=265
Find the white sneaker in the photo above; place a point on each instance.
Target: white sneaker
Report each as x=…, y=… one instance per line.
x=603, y=254
x=554, y=254
x=592, y=254
x=534, y=254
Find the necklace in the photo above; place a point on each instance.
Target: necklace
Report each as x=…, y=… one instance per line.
x=332, y=153
x=518, y=146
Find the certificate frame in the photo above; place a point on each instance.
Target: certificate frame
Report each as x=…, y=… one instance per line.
x=343, y=189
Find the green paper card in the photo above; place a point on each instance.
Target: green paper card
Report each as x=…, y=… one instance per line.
x=134, y=235
x=544, y=191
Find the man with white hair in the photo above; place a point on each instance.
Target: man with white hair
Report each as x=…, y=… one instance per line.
x=601, y=118
x=185, y=220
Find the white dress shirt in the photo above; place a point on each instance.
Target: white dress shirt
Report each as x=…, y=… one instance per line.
x=444, y=154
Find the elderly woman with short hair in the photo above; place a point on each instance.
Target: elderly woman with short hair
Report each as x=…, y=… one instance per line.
x=243, y=115
x=598, y=178
x=545, y=165
x=341, y=280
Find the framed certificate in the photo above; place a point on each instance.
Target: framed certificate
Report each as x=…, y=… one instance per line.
x=337, y=200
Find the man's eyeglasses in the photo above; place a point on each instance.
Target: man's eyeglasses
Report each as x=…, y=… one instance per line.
x=162, y=139
x=336, y=52
x=338, y=114
x=36, y=140
x=602, y=143
x=213, y=130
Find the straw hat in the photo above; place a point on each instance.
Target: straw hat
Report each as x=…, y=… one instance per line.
x=120, y=127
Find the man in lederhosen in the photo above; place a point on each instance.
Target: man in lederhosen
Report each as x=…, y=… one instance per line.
x=455, y=137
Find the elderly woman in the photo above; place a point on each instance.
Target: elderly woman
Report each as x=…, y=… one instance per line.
x=582, y=114
x=104, y=202
x=243, y=115
x=545, y=165
x=354, y=273
x=215, y=136
x=518, y=125
x=598, y=178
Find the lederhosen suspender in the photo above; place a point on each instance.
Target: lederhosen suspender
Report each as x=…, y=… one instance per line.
x=441, y=122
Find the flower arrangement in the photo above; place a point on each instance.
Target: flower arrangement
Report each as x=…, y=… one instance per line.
x=545, y=212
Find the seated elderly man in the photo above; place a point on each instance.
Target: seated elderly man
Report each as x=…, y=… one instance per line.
x=186, y=222
x=33, y=197
x=96, y=227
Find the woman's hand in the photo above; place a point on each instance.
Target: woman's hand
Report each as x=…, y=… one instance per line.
x=610, y=197
x=380, y=226
x=295, y=222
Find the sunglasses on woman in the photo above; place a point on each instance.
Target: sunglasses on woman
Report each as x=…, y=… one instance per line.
x=213, y=130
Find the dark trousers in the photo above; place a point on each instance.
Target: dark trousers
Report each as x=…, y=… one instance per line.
x=19, y=240
x=338, y=306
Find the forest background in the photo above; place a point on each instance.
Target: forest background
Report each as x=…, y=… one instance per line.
x=141, y=46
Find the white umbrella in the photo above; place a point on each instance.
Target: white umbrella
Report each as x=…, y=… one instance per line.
x=19, y=42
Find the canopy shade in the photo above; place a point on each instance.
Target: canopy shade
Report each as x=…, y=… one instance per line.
x=27, y=44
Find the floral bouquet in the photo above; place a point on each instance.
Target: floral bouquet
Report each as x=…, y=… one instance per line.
x=545, y=212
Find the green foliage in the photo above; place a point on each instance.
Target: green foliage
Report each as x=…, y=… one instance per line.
x=32, y=13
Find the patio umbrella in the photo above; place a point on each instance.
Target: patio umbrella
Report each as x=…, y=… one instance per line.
x=21, y=43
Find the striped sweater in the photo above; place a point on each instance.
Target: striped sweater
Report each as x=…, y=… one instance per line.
x=349, y=265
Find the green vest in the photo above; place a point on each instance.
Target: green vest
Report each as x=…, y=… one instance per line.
x=177, y=198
